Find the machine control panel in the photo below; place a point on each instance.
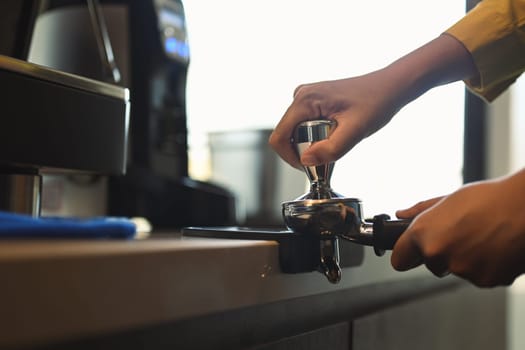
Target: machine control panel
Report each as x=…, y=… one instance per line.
x=172, y=27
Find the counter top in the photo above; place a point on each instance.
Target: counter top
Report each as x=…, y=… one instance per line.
x=61, y=290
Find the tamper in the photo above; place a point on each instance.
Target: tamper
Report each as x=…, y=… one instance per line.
x=326, y=215
x=306, y=134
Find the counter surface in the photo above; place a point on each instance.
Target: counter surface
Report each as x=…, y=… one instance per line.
x=60, y=290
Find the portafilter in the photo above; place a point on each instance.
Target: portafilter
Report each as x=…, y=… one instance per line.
x=326, y=215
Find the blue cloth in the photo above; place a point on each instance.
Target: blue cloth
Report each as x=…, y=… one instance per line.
x=25, y=226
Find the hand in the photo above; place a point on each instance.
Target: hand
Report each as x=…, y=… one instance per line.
x=359, y=105
x=477, y=233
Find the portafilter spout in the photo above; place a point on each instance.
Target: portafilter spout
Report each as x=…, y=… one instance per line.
x=305, y=135
x=323, y=215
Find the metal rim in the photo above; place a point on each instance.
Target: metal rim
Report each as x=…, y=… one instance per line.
x=63, y=78
x=316, y=202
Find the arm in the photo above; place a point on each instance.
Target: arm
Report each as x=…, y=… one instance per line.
x=362, y=105
x=485, y=49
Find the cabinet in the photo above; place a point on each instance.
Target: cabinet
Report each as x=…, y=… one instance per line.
x=463, y=319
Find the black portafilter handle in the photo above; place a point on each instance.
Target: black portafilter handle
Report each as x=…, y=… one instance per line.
x=387, y=232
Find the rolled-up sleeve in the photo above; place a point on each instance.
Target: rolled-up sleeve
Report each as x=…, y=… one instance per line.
x=494, y=34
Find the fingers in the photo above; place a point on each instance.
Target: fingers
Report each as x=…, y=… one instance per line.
x=415, y=247
x=406, y=254
x=418, y=208
x=344, y=137
x=280, y=139
x=280, y=142
x=310, y=103
x=438, y=266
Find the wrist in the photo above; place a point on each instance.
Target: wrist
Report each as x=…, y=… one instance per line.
x=511, y=190
x=441, y=61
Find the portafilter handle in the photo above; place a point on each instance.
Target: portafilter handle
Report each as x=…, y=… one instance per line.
x=305, y=135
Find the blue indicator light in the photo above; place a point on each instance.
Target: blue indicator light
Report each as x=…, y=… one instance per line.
x=171, y=45
x=176, y=47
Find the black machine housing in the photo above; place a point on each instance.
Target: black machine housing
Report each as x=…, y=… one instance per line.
x=157, y=185
x=154, y=65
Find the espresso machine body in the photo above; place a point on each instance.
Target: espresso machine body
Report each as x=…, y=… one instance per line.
x=51, y=121
x=149, y=45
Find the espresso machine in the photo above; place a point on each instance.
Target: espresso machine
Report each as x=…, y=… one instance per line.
x=141, y=46
x=51, y=122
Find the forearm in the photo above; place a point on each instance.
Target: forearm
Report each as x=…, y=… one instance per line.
x=513, y=186
x=441, y=61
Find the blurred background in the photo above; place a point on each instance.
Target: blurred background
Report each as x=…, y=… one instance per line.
x=248, y=57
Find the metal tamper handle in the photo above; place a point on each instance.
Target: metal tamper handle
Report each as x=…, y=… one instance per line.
x=306, y=134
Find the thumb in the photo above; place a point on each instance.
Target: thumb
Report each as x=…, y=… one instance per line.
x=316, y=154
x=343, y=138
